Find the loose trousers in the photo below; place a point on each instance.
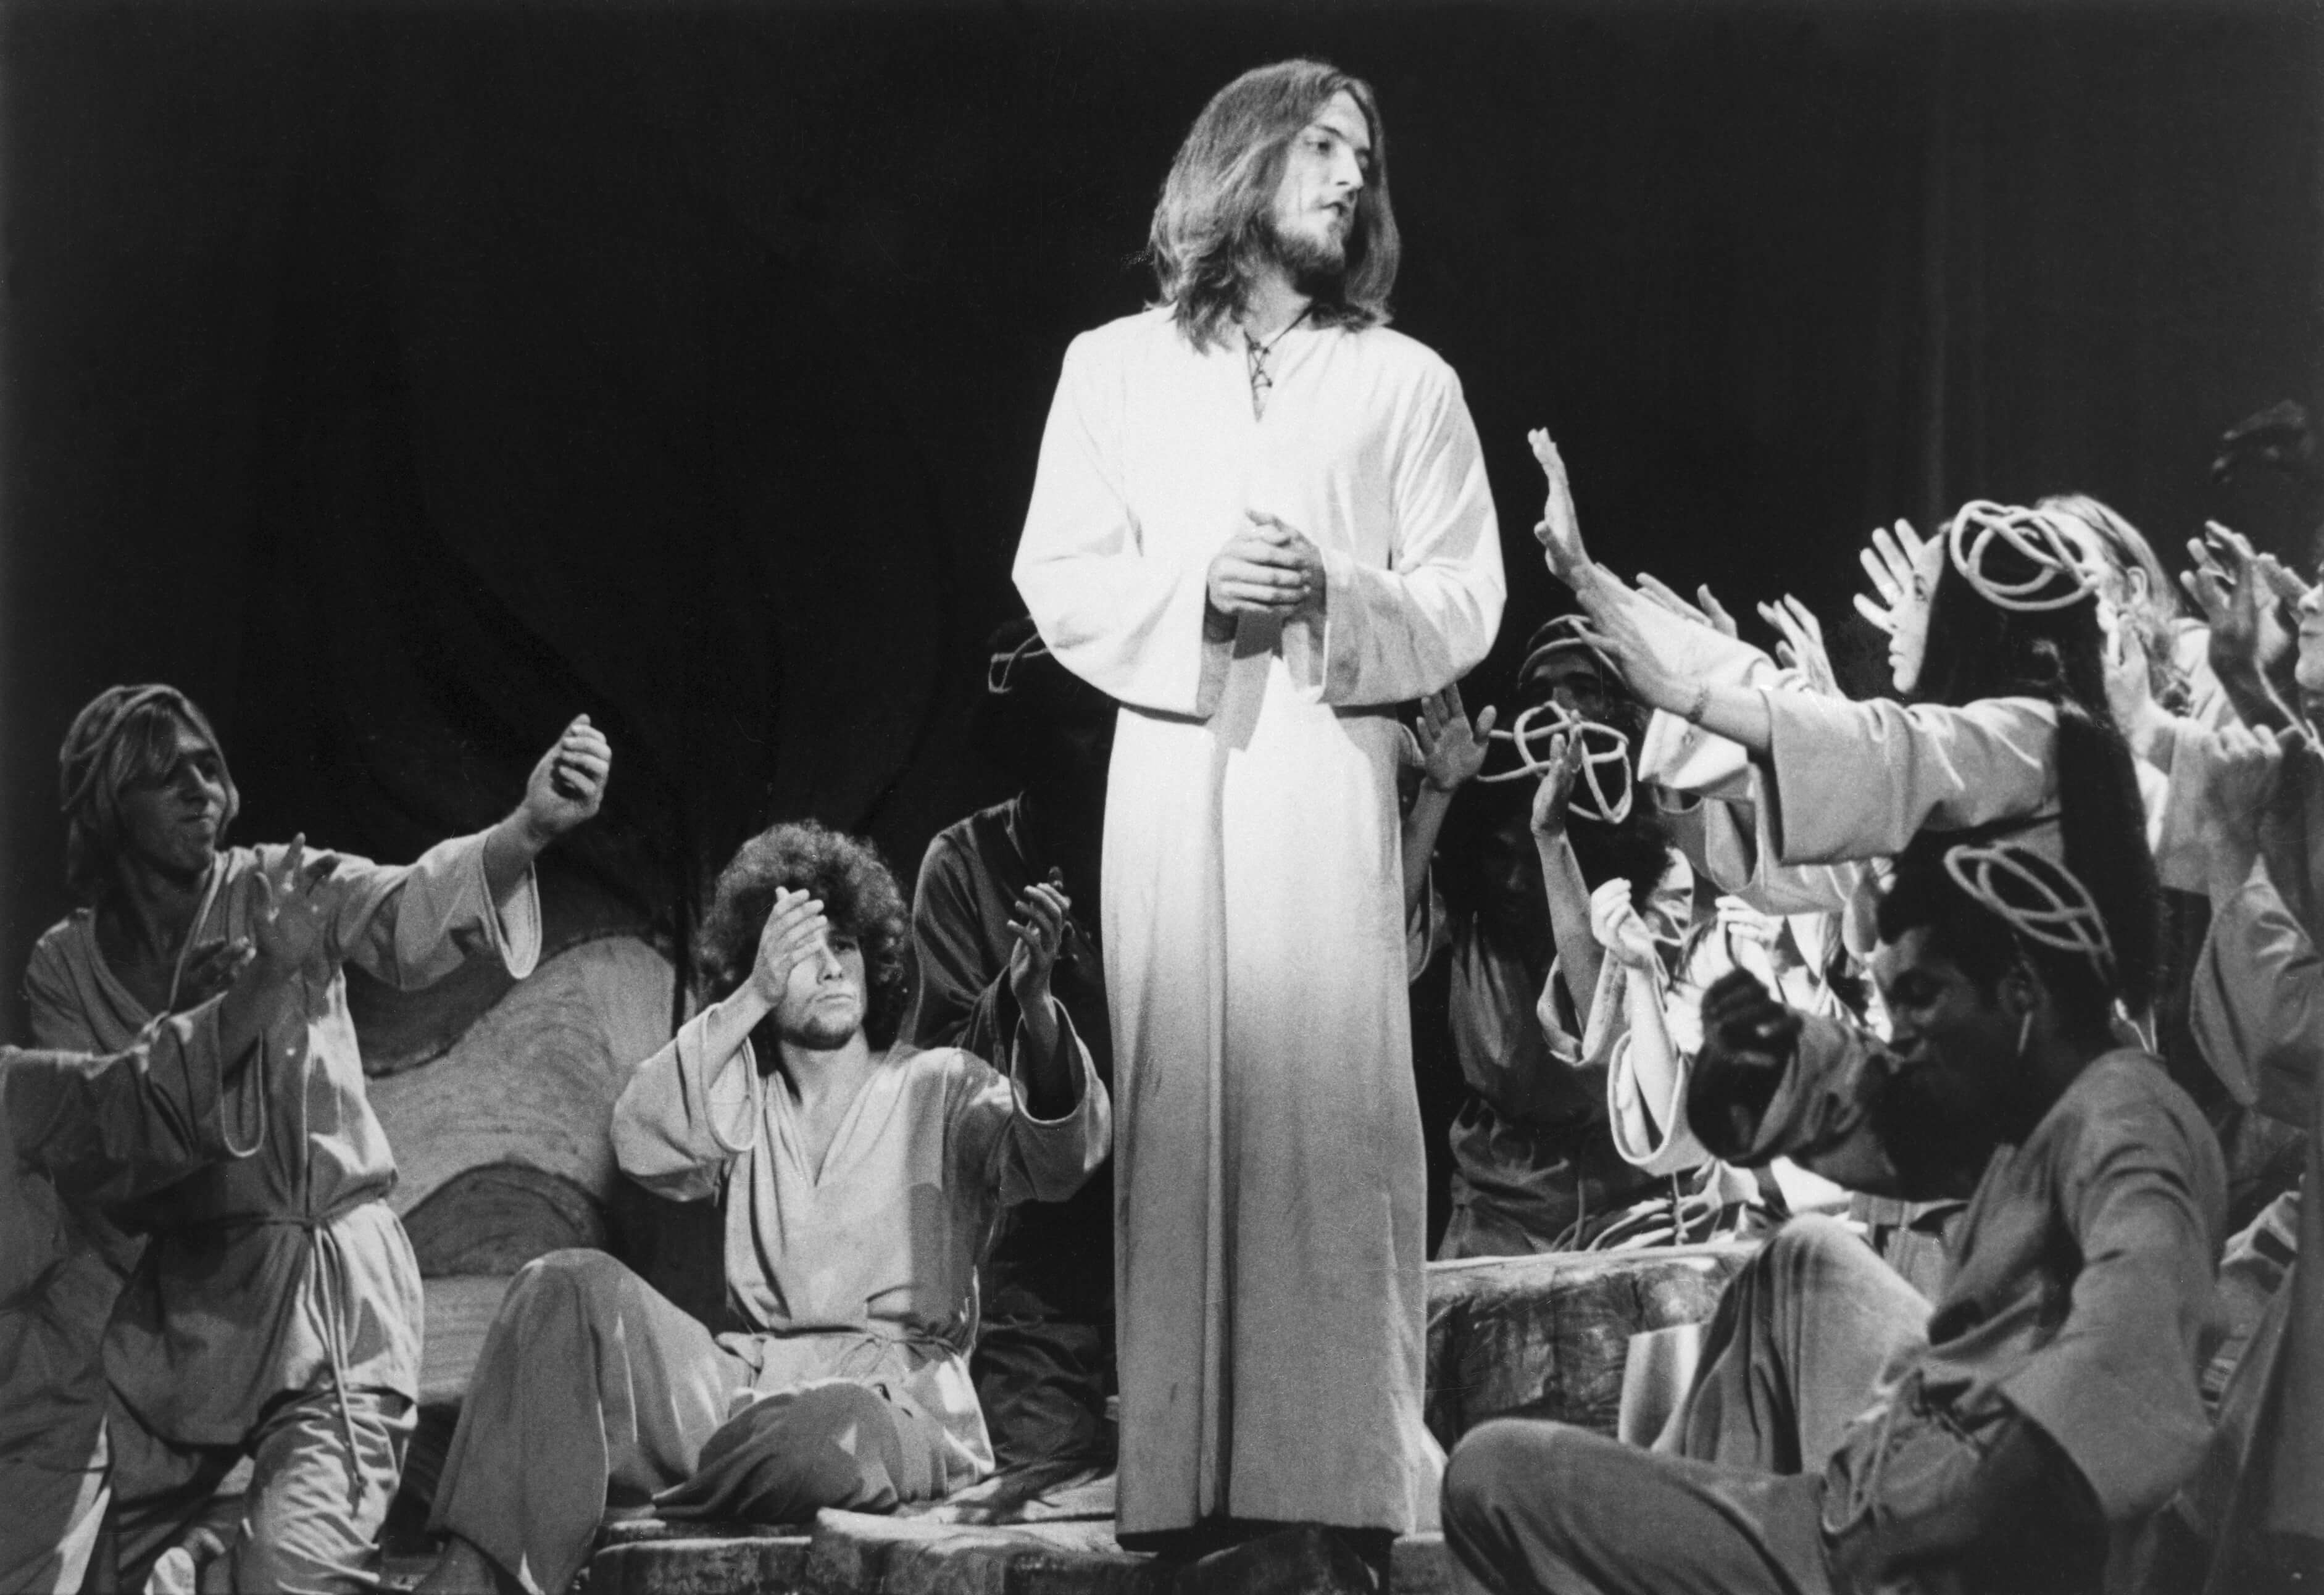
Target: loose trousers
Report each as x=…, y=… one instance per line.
x=1729, y=1503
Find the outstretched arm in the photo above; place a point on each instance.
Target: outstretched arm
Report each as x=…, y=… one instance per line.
x=566, y=790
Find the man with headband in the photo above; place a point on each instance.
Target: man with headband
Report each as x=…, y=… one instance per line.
x=1550, y=815
x=1044, y=1350
x=1841, y=1433
x=276, y=1312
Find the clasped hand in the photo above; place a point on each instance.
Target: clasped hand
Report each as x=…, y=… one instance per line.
x=1268, y=568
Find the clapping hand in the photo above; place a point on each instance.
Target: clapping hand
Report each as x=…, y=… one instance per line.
x=568, y=785
x=210, y=968
x=1042, y=918
x=1452, y=751
x=1889, y=561
x=2253, y=647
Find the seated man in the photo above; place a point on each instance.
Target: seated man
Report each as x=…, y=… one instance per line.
x=275, y=1311
x=1045, y=1351
x=858, y=1185
x=78, y=1132
x=1838, y=1435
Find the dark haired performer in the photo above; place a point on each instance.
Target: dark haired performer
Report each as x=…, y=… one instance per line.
x=860, y=1180
x=275, y=1312
x=1843, y=1434
x=1260, y=521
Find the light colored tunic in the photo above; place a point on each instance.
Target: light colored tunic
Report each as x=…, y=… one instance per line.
x=283, y=1271
x=866, y=1270
x=76, y=1131
x=1270, y=1187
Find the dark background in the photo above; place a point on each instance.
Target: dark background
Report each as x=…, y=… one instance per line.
x=402, y=380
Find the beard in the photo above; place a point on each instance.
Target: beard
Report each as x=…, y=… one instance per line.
x=1316, y=263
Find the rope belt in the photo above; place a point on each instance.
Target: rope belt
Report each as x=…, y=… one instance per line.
x=331, y=1264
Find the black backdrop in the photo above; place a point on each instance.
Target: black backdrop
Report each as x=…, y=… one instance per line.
x=402, y=379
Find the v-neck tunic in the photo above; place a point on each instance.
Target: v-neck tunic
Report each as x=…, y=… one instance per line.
x=866, y=1270
x=1270, y=1189
x=285, y=1270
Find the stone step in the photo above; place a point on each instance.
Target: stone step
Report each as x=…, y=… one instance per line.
x=856, y=1554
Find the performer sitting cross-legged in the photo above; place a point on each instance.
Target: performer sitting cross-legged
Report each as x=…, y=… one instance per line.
x=859, y=1179
x=1839, y=1434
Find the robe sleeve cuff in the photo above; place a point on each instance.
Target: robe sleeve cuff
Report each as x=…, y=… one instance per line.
x=730, y=1089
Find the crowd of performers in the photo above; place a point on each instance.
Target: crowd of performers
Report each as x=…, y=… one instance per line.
x=1972, y=1003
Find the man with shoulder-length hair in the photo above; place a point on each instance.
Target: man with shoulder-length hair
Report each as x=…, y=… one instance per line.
x=275, y=1311
x=1260, y=522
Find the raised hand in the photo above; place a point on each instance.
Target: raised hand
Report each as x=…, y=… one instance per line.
x=1707, y=611
x=1802, y=646
x=1041, y=924
x=1560, y=531
x=1452, y=751
x=1888, y=560
x=568, y=785
x=1618, y=926
x=291, y=918
x=1748, y=1042
x=1555, y=791
x=796, y=931
x=2254, y=648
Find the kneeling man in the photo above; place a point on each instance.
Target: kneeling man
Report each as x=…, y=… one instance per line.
x=860, y=1180
x=1840, y=1434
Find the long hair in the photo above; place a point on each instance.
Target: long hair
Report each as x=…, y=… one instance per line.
x=1977, y=649
x=2126, y=548
x=858, y=896
x=1209, y=240
x=122, y=736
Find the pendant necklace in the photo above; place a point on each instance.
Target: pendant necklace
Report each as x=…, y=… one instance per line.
x=1256, y=354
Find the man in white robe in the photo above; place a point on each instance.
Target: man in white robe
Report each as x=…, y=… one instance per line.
x=1260, y=521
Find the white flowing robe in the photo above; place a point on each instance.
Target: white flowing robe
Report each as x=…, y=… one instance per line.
x=1271, y=1191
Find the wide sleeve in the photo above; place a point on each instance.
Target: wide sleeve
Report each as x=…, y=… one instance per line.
x=1124, y=620
x=2145, y=1195
x=410, y=925
x=1000, y=1149
x=2256, y=1002
x=685, y=1115
x=1646, y=1079
x=962, y=1003
x=1400, y=631
x=60, y=1021
x=108, y=1128
x=1860, y=780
